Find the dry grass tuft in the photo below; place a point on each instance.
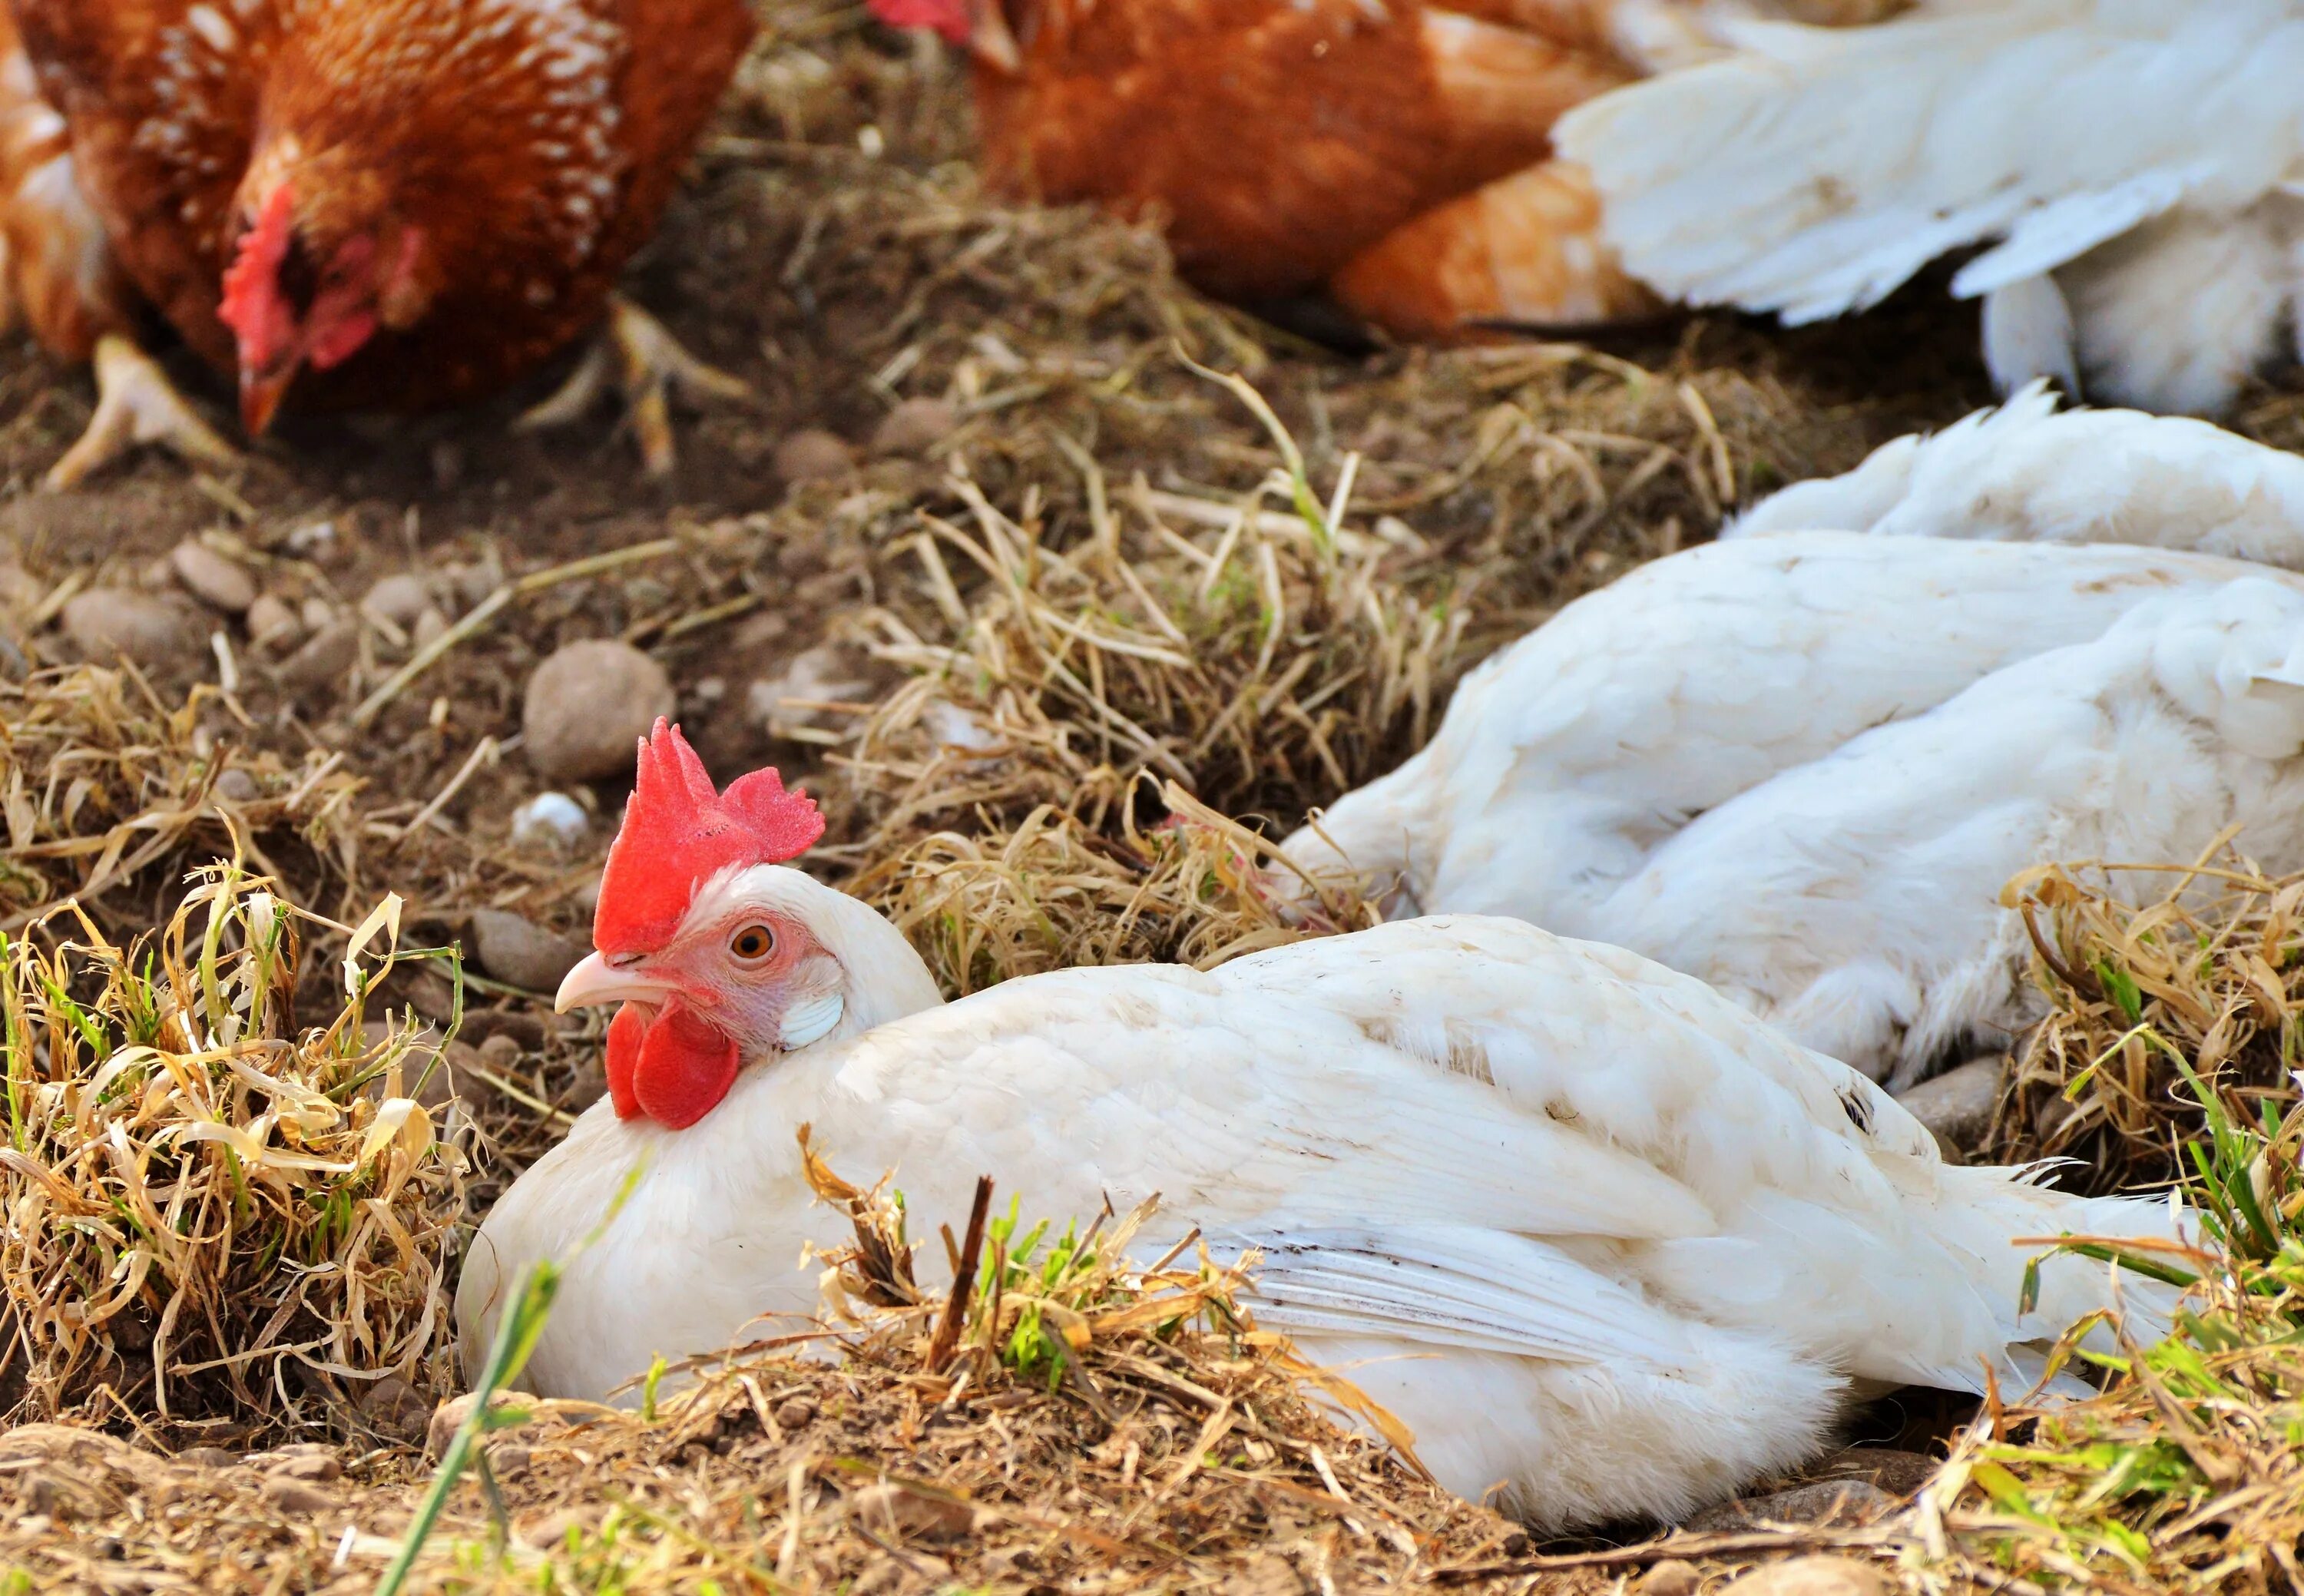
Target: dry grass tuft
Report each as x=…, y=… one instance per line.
x=2202, y=977
x=1252, y=654
x=214, y=1215
x=1052, y=893
x=107, y=784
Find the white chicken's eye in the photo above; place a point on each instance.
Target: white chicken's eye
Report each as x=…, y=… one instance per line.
x=752, y=944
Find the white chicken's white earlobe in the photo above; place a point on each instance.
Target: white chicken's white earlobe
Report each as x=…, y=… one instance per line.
x=812, y=1020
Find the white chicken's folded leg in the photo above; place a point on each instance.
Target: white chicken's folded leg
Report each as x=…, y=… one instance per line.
x=645, y=365
x=2029, y=473
x=136, y=405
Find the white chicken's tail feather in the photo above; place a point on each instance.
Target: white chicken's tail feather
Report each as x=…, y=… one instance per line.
x=2026, y=472
x=2004, y=1218
x=1817, y=170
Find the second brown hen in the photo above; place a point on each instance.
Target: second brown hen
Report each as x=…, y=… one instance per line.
x=389, y=204
x=1392, y=151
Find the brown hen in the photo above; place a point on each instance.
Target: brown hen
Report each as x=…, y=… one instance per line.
x=389, y=204
x=1292, y=145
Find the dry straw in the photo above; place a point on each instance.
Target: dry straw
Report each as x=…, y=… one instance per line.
x=213, y=1214
x=2203, y=975
x=987, y=905
x=106, y=784
x=1252, y=655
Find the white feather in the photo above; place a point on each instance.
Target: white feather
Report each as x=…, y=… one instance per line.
x=2025, y=473
x=1814, y=170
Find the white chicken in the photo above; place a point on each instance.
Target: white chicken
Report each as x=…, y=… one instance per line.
x=1803, y=766
x=2135, y=163
x=2029, y=473
x=1596, y=1234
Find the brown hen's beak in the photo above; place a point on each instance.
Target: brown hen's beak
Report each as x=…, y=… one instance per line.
x=260, y=392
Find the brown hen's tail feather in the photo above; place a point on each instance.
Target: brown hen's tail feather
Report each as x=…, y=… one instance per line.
x=1524, y=249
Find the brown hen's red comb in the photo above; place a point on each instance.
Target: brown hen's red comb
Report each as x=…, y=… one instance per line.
x=678, y=834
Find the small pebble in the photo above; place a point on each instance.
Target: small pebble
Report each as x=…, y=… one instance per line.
x=891, y=1509
x=1959, y=1105
x=326, y=655
x=589, y=1087
x=501, y=1053
x=20, y=590
x=813, y=454
x=108, y=622
x=475, y=582
x=272, y=623
x=214, y=580
x=430, y=626
x=550, y=821
x=1674, y=1576
x=913, y=425
x=312, y=1464
x=521, y=953
x=236, y=786
x=793, y=1412
x=207, y=1457
x=397, y=1407
x=292, y=1495
x=508, y=1460
x=449, y=1079
x=1812, y=1576
x=319, y=614
x=588, y=706
x=551, y=1531
x=399, y=599
x=450, y=1415
x=315, y=541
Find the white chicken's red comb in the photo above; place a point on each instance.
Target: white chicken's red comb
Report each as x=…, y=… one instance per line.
x=678, y=834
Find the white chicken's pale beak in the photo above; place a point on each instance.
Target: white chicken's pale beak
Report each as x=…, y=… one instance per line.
x=594, y=983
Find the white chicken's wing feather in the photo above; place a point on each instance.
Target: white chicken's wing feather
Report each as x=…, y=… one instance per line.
x=2029, y=473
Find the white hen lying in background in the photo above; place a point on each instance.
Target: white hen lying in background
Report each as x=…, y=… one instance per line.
x=2135, y=160
x=1801, y=767
x=2027, y=472
x=1595, y=1234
